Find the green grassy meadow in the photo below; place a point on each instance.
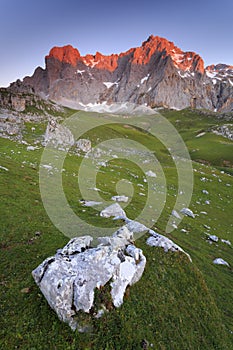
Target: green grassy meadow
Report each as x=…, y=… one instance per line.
x=177, y=305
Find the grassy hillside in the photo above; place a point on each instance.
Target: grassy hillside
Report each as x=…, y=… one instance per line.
x=177, y=304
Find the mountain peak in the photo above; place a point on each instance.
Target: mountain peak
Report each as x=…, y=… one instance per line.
x=158, y=41
x=67, y=54
x=185, y=61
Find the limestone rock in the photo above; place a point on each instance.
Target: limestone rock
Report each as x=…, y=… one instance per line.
x=69, y=278
x=66, y=54
x=113, y=210
x=157, y=240
x=150, y=173
x=187, y=212
x=90, y=203
x=18, y=104
x=120, y=198
x=57, y=135
x=83, y=145
x=213, y=238
x=220, y=261
x=175, y=214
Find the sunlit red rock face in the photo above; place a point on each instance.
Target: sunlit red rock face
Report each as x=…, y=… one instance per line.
x=66, y=54
x=157, y=74
x=182, y=60
x=70, y=55
x=141, y=55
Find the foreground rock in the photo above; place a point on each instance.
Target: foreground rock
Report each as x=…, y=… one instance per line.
x=69, y=278
x=157, y=240
x=137, y=228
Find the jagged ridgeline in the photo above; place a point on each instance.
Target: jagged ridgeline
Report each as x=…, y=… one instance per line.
x=176, y=304
x=157, y=74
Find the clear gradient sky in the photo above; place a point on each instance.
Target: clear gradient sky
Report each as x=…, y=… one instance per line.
x=30, y=28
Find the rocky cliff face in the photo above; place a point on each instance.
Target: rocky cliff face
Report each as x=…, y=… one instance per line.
x=221, y=76
x=156, y=74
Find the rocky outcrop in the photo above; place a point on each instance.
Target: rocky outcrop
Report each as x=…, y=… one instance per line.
x=16, y=102
x=225, y=131
x=18, y=99
x=155, y=74
x=57, y=135
x=68, y=280
x=221, y=76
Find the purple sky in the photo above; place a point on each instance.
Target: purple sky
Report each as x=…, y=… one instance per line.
x=29, y=29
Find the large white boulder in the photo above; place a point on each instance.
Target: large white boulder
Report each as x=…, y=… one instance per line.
x=69, y=278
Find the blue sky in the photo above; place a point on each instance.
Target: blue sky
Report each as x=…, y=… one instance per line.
x=29, y=29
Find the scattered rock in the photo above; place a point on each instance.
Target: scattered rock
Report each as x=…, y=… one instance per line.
x=187, y=212
x=84, y=145
x=150, y=173
x=175, y=214
x=120, y=198
x=213, y=238
x=204, y=179
x=201, y=134
x=90, y=203
x=3, y=168
x=31, y=148
x=47, y=166
x=114, y=210
x=25, y=290
x=103, y=164
x=226, y=241
x=220, y=261
x=205, y=192
x=37, y=233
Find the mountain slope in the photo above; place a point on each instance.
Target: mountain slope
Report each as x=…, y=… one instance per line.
x=177, y=305
x=156, y=74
